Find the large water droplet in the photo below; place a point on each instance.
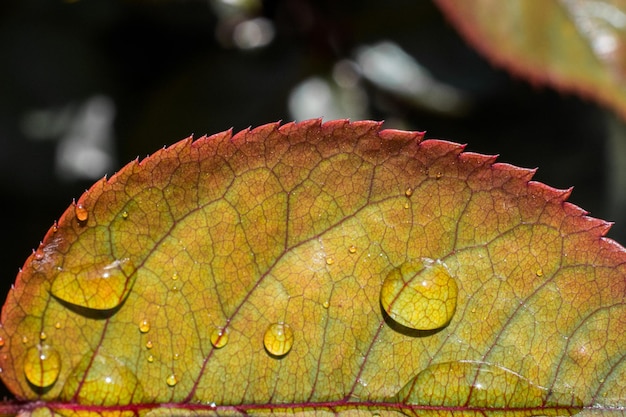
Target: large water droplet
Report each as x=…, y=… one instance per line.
x=278, y=339
x=102, y=380
x=42, y=365
x=100, y=286
x=481, y=385
x=219, y=337
x=420, y=295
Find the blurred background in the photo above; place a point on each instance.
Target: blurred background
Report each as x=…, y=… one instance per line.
x=88, y=85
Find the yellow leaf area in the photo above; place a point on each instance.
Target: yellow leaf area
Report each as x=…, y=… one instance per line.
x=319, y=269
x=577, y=45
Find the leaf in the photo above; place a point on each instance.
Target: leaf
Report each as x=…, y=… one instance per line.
x=575, y=45
x=319, y=268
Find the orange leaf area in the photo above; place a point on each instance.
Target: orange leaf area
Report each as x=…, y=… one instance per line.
x=319, y=269
x=576, y=45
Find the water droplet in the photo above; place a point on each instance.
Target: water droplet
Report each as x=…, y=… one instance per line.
x=57, y=325
x=124, y=215
x=219, y=337
x=149, y=344
x=81, y=212
x=330, y=261
x=174, y=276
x=420, y=294
x=1, y=341
x=144, y=326
x=278, y=339
x=539, y=272
x=408, y=192
x=326, y=304
x=97, y=286
x=171, y=380
x=479, y=384
x=176, y=356
x=42, y=365
x=352, y=249
x=439, y=175
x=42, y=335
x=102, y=380
x=174, y=288
x=150, y=358
x=24, y=339
x=406, y=205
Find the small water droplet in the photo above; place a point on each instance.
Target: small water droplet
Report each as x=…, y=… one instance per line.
x=81, y=213
x=57, y=325
x=420, y=294
x=55, y=227
x=326, y=304
x=150, y=358
x=176, y=356
x=1, y=341
x=539, y=272
x=278, y=339
x=175, y=288
x=219, y=337
x=24, y=339
x=330, y=260
x=149, y=344
x=124, y=215
x=171, y=380
x=42, y=335
x=408, y=192
x=439, y=175
x=174, y=276
x=406, y=205
x=144, y=326
x=42, y=365
x=352, y=249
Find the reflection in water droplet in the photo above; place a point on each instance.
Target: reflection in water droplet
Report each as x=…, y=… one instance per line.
x=480, y=384
x=102, y=380
x=421, y=295
x=42, y=365
x=278, y=339
x=219, y=337
x=144, y=326
x=171, y=380
x=352, y=249
x=81, y=213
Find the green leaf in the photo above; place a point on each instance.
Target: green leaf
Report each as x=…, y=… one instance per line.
x=574, y=45
x=313, y=269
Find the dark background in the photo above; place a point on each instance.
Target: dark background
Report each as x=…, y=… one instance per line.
x=170, y=69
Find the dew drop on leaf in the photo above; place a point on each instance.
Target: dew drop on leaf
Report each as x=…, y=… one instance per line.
x=171, y=380
x=149, y=344
x=102, y=380
x=352, y=249
x=330, y=261
x=1, y=342
x=326, y=304
x=43, y=335
x=95, y=286
x=420, y=294
x=144, y=326
x=150, y=358
x=42, y=365
x=408, y=192
x=278, y=339
x=480, y=384
x=124, y=215
x=219, y=337
x=81, y=213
